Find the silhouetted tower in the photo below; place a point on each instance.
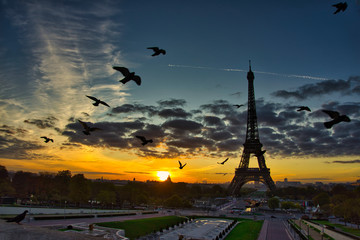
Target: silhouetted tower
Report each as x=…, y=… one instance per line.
x=252, y=145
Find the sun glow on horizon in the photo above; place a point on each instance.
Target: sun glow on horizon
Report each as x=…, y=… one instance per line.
x=162, y=175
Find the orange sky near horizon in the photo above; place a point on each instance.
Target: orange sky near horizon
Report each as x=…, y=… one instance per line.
x=96, y=163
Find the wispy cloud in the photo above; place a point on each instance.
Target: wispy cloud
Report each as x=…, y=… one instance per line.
x=345, y=161
x=71, y=51
x=243, y=70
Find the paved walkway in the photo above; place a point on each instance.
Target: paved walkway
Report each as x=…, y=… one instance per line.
x=307, y=230
x=333, y=234
x=274, y=229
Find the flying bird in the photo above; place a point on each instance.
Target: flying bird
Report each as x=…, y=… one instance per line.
x=302, y=108
x=238, y=105
x=181, y=166
x=87, y=128
x=47, y=139
x=97, y=101
x=128, y=75
x=144, y=140
x=223, y=161
x=19, y=217
x=341, y=6
x=157, y=51
x=337, y=118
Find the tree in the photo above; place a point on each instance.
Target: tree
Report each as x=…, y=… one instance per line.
x=273, y=203
x=176, y=201
x=106, y=197
x=321, y=199
x=79, y=189
x=24, y=183
x=5, y=185
x=4, y=175
x=62, y=182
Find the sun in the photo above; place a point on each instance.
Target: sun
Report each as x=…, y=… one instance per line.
x=163, y=175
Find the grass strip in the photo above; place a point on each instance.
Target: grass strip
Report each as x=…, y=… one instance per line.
x=140, y=227
x=246, y=230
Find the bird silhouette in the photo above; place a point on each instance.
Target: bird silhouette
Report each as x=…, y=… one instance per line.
x=222, y=163
x=19, y=217
x=47, y=139
x=238, y=105
x=157, y=51
x=128, y=75
x=97, y=101
x=337, y=118
x=144, y=140
x=87, y=128
x=341, y=6
x=181, y=166
x=302, y=108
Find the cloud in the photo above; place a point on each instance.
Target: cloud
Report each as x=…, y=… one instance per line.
x=218, y=128
x=98, y=173
x=312, y=179
x=14, y=148
x=321, y=88
x=48, y=122
x=71, y=49
x=175, y=112
x=135, y=108
x=137, y=172
x=172, y=103
x=345, y=161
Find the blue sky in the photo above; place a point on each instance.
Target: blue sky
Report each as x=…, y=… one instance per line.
x=53, y=53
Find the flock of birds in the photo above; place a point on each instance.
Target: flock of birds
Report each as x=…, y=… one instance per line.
x=128, y=76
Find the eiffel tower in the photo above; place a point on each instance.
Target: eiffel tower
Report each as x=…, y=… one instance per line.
x=252, y=145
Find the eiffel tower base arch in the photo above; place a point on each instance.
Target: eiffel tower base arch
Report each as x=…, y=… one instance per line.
x=244, y=175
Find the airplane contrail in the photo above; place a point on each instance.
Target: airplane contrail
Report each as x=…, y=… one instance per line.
x=242, y=70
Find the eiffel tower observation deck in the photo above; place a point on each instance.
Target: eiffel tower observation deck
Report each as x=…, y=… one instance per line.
x=252, y=145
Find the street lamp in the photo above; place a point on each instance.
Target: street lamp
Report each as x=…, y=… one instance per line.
x=65, y=208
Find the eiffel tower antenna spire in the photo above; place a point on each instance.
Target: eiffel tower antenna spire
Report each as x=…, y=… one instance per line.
x=252, y=145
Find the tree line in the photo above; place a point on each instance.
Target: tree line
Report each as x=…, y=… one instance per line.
x=52, y=189
x=341, y=200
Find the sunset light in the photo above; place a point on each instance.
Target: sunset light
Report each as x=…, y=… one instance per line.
x=163, y=175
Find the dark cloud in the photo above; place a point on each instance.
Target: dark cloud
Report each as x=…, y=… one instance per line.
x=12, y=130
x=137, y=172
x=213, y=121
x=218, y=128
x=345, y=161
x=135, y=108
x=14, y=148
x=183, y=125
x=172, y=103
x=98, y=173
x=191, y=142
x=352, y=85
x=174, y=112
x=219, y=107
x=312, y=179
x=48, y=122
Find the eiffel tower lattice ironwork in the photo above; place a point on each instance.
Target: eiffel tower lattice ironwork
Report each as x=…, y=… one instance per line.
x=252, y=145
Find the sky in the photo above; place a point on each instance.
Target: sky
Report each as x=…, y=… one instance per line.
x=55, y=53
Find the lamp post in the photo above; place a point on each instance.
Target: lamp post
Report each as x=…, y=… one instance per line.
x=64, y=208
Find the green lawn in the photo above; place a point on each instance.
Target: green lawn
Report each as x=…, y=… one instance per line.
x=245, y=230
x=342, y=227
x=141, y=227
